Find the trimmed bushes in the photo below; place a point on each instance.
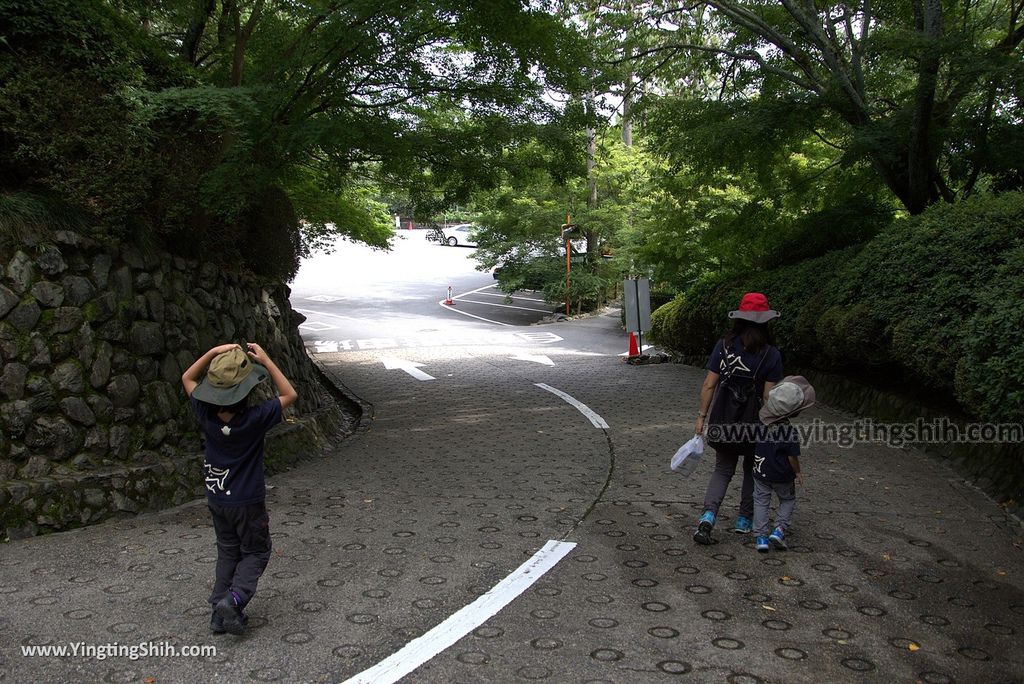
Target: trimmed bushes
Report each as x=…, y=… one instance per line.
x=934, y=303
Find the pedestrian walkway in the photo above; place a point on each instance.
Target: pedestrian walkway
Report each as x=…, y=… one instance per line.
x=897, y=570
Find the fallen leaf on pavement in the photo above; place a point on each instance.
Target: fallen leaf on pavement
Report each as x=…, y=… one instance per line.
x=913, y=647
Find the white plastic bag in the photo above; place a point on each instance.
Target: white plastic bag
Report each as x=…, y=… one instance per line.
x=688, y=456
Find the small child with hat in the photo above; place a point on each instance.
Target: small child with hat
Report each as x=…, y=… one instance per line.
x=234, y=432
x=776, y=459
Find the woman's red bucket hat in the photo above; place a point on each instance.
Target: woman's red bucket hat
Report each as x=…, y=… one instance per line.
x=754, y=307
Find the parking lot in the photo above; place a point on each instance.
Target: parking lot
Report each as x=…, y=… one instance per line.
x=490, y=304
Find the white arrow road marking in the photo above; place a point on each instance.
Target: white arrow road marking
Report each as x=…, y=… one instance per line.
x=540, y=358
x=541, y=337
x=446, y=634
x=410, y=367
x=597, y=420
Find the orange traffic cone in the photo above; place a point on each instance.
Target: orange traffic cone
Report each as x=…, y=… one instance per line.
x=634, y=350
x=448, y=300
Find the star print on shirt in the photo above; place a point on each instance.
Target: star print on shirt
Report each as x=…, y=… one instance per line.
x=758, y=462
x=733, y=362
x=216, y=478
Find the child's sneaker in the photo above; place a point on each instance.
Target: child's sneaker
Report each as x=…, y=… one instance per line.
x=761, y=544
x=778, y=538
x=703, y=533
x=743, y=525
x=230, y=611
x=216, y=623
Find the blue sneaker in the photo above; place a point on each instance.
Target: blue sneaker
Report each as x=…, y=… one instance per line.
x=778, y=539
x=743, y=525
x=704, y=526
x=761, y=544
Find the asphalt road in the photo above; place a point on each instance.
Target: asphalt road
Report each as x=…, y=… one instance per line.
x=356, y=298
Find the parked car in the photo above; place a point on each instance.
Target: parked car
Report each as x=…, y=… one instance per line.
x=462, y=234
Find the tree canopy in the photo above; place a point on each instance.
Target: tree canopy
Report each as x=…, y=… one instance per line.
x=919, y=90
x=187, y=115
x=684, y=139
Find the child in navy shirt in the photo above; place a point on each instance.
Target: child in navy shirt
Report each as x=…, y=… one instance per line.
x=234, y=435
x=776, y=459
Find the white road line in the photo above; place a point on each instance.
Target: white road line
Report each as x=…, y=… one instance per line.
x=597, y=420
x=479, y=289
x=324, y=313
x=515, y=296
x=455, y=309
x=645, y=348
x=539, y=358
x=504, y=306
x=444, y=635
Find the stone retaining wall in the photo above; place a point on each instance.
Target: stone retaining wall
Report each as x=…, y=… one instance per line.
x=94, y=338
x=997, y=469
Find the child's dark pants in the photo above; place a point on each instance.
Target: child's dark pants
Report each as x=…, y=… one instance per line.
x=243, y=549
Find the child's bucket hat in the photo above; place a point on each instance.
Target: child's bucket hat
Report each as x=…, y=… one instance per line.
x=789, y=397
x=754, y=307
x=230, y=378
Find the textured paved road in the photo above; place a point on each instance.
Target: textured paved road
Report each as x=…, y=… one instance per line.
x=897, y=570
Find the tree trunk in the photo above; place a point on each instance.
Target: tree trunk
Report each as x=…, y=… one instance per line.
x=627, y=102
x=201, y=13
x=242, y=35
x=591, y=233
x=921, y=156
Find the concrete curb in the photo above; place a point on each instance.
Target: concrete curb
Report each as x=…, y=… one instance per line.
x=340, y=391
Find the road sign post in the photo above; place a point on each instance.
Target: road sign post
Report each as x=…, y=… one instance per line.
x=636, y=299
x=567, y=230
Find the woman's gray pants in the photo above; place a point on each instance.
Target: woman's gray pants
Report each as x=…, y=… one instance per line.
x=725, y=468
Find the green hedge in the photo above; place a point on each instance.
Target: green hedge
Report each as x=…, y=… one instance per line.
x=934, y=303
